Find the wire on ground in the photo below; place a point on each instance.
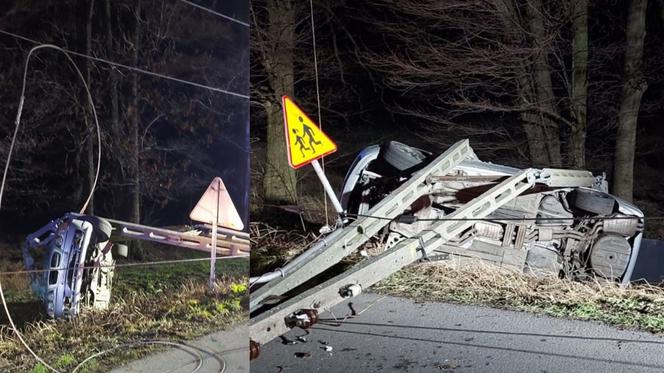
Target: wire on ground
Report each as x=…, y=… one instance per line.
x=182, y=346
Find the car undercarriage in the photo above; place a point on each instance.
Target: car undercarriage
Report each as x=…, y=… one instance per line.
x=567, y=231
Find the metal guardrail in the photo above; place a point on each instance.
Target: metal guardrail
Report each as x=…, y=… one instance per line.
x=229, y=241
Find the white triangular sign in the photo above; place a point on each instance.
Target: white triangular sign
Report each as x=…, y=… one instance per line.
x=217, y=200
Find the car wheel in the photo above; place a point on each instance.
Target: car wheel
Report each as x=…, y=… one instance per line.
x=101, y=227
x=594, y=201
x=401, y=156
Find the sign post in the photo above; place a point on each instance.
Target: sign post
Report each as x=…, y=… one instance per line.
x=213, y=252
x=217, y=209
x=327, y=186
x=306, y=144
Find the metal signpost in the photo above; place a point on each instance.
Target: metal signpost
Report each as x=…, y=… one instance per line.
x=306, y=144
x=217, y=209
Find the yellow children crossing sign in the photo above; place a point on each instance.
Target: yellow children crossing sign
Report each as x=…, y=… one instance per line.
x=305, y=141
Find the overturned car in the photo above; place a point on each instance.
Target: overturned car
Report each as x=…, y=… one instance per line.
x=573, y=229
x=401, y=204
x=72, y=263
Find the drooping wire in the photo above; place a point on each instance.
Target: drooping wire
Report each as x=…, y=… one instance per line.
x=218, y=14
x=320, y=120
x=17, y=122
x=91, y=193
x=133, y=68
x=9, y=156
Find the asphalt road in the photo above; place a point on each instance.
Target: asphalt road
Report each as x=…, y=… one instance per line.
x=396, y=334
x=224, y=350
x=650, y=262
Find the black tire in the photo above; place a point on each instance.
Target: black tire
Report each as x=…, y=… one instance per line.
x=594, y=201
x=401, y=156
x=101, y=227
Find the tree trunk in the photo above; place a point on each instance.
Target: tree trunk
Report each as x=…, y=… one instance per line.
x=134, y=115
x=115, y=106
x=535, y=134
x=89, y=125
x=577, y=140
x=536, y=137
x=279, y=182
x=542, y=81
x=633, y=88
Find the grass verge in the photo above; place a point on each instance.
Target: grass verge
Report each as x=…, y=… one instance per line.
x=639, y=307
x=272, y=247
x=171, y=303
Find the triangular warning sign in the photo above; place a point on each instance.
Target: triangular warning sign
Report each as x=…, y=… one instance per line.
x=304, y=139
x=216, y=206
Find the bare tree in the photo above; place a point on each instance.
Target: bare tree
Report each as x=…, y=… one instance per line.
x=633, y=88
x=134, y=114
x=274, y=42
x=457, y=61
x=579, y=95
x=541, y=78
x=89, y=143
x=160, y=139
x=113, y=74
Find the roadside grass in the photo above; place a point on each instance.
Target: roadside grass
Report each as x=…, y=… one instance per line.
x=273, y=247
x=170, y=302
x=639, y=307
x=471, y=281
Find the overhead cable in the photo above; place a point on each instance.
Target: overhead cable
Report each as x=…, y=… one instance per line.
x=133, y=68
x=123, y=265
x=17, y=124
x=411, y=218
x=218, y=14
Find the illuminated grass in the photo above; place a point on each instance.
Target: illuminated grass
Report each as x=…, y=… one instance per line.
x=639, y=307
x=170, y=303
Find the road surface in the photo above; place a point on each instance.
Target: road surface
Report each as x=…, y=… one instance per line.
x=396, y=334
x=225, y=348
x=650, y=262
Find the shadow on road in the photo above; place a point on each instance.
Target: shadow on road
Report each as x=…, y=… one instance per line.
x=508, y=349
x=337, y=323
